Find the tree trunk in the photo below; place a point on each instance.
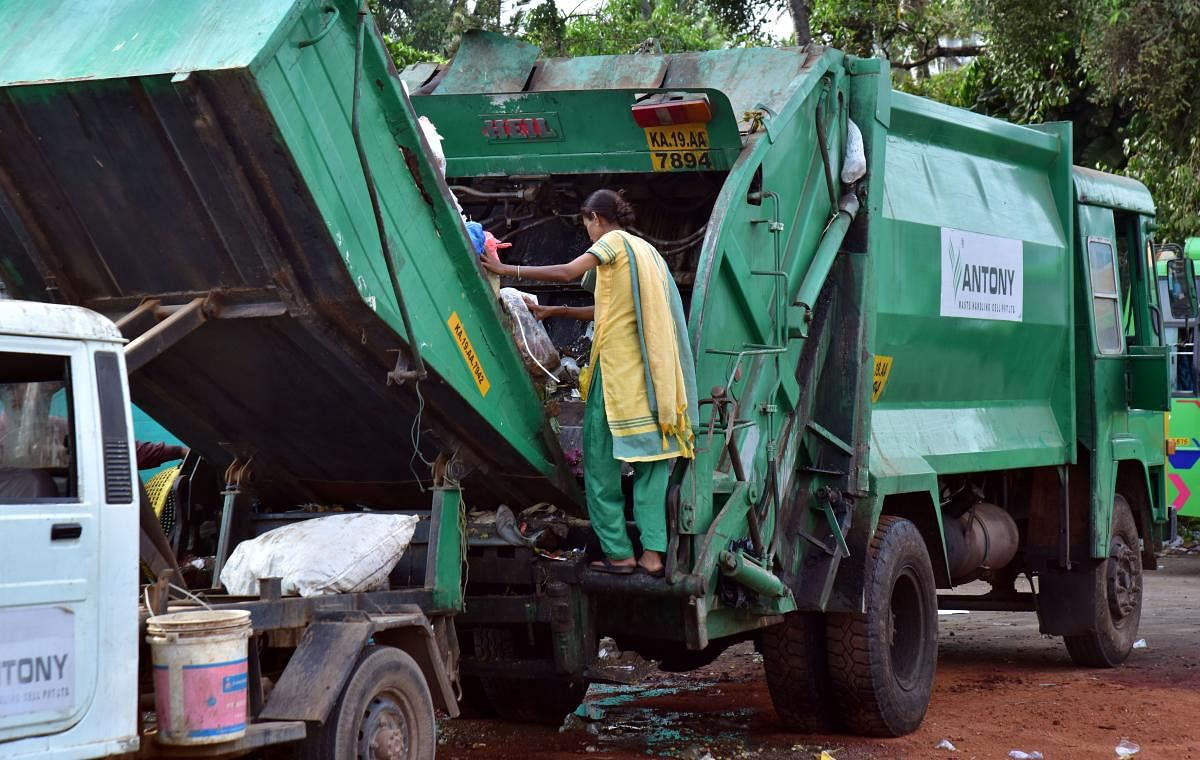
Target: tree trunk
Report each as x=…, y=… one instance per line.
x=646, y=10
x=800, y=12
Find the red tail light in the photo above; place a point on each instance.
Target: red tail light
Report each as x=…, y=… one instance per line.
x=666, y=112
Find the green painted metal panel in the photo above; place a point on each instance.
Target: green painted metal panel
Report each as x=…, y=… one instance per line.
x=599, y=72
x=1000, y=394
x=1112, y=191
x=489, y=62
x=589, y=131
x=62, y=40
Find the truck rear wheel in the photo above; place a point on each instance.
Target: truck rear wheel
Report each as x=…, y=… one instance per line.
x=797, y=668
x=523, y=700
x=881, y=663
x=1118, y=609
x=384, y=713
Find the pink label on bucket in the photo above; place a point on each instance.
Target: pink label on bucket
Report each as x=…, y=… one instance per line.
x=214, y=699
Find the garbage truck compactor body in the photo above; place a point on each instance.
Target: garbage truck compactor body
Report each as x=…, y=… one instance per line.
x=942, y=369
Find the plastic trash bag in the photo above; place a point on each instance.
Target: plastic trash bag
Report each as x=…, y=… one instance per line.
x=854, y=167
x=477, y=236
x=537, y=351
x=336, y=554
x=1127, y=748
x=492, y=246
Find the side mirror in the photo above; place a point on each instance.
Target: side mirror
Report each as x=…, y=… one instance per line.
x=1181, y=289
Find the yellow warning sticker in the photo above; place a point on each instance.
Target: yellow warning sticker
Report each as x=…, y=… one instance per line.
x=883, y=366
x=469, y=355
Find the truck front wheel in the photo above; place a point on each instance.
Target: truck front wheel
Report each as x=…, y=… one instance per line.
x=384, y=713
x=881, y=662
x=1118, y=609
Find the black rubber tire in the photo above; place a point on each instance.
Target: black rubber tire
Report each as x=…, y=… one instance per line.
x=385, y=679
x=882, y=663
x=523, y=700
x=797, y=668
x=1119, y=608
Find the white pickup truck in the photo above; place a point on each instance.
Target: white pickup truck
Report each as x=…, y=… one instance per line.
x=68, y=536
x=343, y=675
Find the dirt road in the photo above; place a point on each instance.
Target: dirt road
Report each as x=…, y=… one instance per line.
x=1000, y=686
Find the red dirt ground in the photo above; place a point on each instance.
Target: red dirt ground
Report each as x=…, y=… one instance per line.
x=1000, y=686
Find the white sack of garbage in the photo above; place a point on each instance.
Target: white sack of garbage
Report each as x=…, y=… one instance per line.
x=336, y=554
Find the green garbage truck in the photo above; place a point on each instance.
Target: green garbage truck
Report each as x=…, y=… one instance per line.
x=912, y=376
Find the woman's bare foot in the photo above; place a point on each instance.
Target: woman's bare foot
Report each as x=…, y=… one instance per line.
x=615, y=566
x=651, y=563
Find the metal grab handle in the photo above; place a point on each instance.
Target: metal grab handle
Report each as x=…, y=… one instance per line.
x=65, y=531
x=328, y=26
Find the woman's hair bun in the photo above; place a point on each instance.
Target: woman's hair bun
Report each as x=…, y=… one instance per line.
x=610, y=205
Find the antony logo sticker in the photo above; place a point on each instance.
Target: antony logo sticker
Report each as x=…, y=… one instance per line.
x=982, y=276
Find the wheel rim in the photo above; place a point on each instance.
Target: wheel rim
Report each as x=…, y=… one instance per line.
x=384, y=730
x=907, y=632
x=1124, y=582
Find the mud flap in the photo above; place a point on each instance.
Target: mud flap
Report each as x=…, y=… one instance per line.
x=317, y=672
x=1066, y=599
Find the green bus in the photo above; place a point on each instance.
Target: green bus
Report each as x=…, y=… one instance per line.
x=1183, y=421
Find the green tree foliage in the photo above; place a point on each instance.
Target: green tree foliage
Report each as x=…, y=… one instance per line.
x=912, y=34
x=1141, y=53
x=619, y=26
x=1123, y=71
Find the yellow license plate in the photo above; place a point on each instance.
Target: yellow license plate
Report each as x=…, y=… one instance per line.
x=678, y=147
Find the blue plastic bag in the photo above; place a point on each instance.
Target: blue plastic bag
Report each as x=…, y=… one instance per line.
x=475, y=232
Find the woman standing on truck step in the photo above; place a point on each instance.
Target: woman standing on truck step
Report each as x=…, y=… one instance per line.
x=641, y=394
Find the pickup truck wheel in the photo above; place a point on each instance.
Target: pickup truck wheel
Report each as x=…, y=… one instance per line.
x=881, y=663
x=1119, y=598
x=797, y=668
x=384, y=713
x=523, y=700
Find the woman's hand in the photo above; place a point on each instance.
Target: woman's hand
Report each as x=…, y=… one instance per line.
x=540, y=312
x=496, y=267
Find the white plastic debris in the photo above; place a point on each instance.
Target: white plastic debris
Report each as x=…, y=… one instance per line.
x=947, y=745
x=325, y=555
x=854, y=167
x=1017, y=754
x=1127, y=748
x=434, y=139
x=1140, y=644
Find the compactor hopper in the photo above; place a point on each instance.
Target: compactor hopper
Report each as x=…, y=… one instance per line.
x=193, y=170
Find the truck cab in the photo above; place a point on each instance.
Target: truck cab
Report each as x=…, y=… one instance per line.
x=68, y=515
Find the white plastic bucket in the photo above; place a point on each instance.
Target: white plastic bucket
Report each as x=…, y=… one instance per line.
x=200, y=675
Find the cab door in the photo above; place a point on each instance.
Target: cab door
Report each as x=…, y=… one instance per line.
x=50, y=504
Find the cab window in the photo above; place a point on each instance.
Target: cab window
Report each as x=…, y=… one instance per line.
x=1106, y=300
x=37, y=461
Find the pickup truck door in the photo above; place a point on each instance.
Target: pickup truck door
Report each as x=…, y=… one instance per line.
x=50, y=500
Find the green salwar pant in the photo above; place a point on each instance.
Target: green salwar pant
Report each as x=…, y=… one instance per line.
x=602, y=481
